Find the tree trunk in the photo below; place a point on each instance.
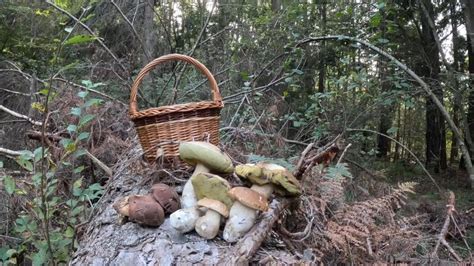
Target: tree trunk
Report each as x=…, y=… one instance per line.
x=385, y=123
x=469, y=17
x=435, y=128
x=322, y=51
x=457, y=101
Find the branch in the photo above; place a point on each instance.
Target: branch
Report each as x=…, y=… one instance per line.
x=10, y=152
x=457, y=133
x=13, y=113
x=244, y=131
x=97, y=38
x=100, y=164
x=444, y=230
x=147, y=53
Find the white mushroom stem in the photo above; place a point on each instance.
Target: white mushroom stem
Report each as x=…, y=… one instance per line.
x=188, y=197
x=241, y=217
x=207, y=226
x=183, y=220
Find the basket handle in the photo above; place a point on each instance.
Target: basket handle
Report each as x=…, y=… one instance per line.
x=216, y=95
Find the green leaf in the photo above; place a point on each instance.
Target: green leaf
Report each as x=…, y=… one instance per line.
x=93, y=102
x=83, y=135
x=38, y=153
x=298, y=72
x=76, y=187
x=82, y=94
x=71, y=128
x=9, y=184
x=85, y=120
x=76, y=111
x=39, y=258
x=80, y=39
x=79, y=169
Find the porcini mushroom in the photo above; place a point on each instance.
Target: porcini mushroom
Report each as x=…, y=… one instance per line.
x=166, y=196
x=208, y=225
x=244, y=212
x=265, y=178
x=213, y=187
x=145, y=210
x=207, y=158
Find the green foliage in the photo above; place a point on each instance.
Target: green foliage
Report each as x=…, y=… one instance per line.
x=47, y=204
x=339, y=171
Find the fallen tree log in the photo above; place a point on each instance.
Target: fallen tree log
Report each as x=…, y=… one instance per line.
x=104, y=241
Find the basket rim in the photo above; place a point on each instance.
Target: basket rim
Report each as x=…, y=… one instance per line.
x=183, y=107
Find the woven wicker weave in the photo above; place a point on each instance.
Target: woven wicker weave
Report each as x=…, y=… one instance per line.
x=160, y=129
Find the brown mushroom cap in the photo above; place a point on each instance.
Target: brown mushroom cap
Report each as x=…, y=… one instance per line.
x=214, y=205
x=145, y=210
x=249, y=198
x=166, y=196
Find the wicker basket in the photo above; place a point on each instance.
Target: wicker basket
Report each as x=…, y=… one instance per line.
x=160, y=129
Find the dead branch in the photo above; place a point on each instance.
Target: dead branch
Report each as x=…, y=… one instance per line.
x=10, y=152
x=324, y=155
x=100, y=164
x=250, y=243
x=13, y=113
x=444, y=230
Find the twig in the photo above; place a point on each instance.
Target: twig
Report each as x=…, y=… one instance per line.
x=10, y=152
x=244, y=131
x=13, y=113
x=147, y=53
x=444, y=230
x=302, y=157
x=100, y=164
x=343, y=153
x=97, y=38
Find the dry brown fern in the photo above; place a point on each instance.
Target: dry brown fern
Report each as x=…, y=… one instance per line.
x=361, y=227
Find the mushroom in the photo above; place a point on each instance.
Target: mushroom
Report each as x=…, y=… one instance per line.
x=208, y=225
x=145, y=210
x=148, y=209
x=244, y=211
x=266, y=178
x=166, y=197
x=183, y=220
x=207, y=158
x=213, y=187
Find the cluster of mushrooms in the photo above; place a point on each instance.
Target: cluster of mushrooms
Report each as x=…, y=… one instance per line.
x=208, y=199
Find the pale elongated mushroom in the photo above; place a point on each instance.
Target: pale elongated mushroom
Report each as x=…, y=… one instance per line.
x=208, y=225
x=265, y=178
x=207, y=158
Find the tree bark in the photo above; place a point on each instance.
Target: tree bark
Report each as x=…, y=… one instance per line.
x=435, y=129
x=457, y=101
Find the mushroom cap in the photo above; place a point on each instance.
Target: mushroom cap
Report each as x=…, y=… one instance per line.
x=264, y=173
x=252, y=172
x=166, y=196
x=286, y=182
x=249, y=198
x=145, y=210
x=207, y=154
x=214, y=205
x=213, y=187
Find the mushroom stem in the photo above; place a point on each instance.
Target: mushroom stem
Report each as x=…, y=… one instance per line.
x=183, y=220
x=188, y=197
x=241, y=217
x=207, y=226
